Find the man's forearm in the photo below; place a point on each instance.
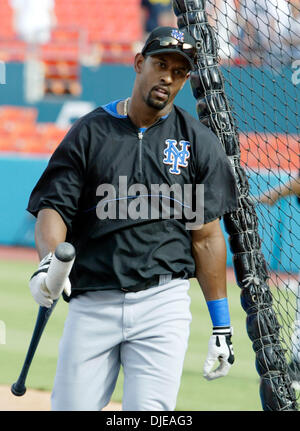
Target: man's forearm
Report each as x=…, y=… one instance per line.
x=209, y=250
x=291, y=188
x=210, y=260
x=50, y=230
x=288, y=189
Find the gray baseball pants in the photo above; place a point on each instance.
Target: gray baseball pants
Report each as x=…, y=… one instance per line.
x=145, y=332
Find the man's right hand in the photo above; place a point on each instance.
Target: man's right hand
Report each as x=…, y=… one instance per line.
x=38, y=287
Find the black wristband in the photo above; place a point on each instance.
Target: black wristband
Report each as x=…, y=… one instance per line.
x=222, y=330
x=44, y=265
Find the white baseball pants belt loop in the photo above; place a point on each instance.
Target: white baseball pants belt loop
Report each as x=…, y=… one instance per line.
x=159, y=280
x=164, y=278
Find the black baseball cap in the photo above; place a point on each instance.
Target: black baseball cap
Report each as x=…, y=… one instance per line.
x=171, y=39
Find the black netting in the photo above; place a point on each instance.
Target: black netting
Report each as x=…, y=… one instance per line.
x=247, y=90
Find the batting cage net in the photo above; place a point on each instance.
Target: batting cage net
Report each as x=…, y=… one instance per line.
x=247, y=90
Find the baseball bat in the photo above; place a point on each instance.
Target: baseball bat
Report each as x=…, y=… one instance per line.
x=59, y=269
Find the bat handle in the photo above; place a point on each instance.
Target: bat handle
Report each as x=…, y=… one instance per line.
x=18, y=388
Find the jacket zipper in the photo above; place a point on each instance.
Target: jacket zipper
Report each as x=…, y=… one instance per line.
x=140, y=136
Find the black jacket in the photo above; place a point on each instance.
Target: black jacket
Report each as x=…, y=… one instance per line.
x=99, y=149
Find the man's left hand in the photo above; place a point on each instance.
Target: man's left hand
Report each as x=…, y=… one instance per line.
x=219, y=348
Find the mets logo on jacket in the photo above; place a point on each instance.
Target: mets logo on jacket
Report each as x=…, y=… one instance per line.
x=176, y=157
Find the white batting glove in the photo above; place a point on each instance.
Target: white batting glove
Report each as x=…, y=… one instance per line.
x=38, y=287
x=219, y=348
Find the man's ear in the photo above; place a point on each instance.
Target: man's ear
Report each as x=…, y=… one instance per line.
x=186, y=78
x=138, y=62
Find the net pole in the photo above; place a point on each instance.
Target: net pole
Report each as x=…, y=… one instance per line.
x=214, y=110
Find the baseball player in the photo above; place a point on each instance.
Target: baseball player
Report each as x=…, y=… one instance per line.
x=129, y=304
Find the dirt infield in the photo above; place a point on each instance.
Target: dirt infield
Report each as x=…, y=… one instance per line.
x=18, y=253
x=33, y=400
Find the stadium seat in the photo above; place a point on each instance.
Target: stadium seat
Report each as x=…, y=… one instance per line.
x=16, y=113
x=6, y=142
x=20, y=132
x=103, y=20
x=267, y=151
x=51, y=136
x=92, y=20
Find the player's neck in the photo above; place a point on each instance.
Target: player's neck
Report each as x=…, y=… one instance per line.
x=140, y=113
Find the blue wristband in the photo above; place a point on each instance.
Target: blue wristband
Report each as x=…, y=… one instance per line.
x=219, y=312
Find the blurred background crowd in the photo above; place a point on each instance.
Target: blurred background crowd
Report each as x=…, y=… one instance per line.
x=54, y=39
x=247, y=30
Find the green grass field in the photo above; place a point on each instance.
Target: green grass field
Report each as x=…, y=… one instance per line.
x=239, y=391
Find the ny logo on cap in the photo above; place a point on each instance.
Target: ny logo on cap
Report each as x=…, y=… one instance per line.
x=179, y=35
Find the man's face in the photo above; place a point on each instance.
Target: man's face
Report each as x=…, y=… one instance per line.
x=160, y=77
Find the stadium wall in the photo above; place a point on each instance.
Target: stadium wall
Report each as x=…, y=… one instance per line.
x=109, y=82
x=19, y=172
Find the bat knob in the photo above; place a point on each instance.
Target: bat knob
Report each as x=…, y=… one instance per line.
x=65, y=252
x=18, y=390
